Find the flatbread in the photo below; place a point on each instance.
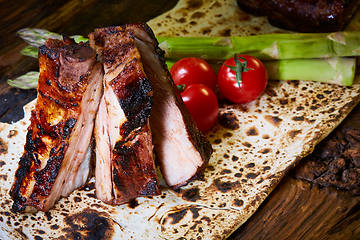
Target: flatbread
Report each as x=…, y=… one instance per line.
x=210, y=18
x=254, y=146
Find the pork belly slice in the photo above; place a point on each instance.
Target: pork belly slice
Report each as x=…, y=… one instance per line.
x=181, y=149
x=56, y=158
x=125, y=166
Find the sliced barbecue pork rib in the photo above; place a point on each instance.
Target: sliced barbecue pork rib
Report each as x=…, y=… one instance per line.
x=181, y=149
x=125, y=166
x=56, y=158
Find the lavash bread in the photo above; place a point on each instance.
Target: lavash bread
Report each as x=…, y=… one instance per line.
x=254, y=146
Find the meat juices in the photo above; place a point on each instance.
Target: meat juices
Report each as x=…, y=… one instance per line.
x=125, y=167
x=56, y=158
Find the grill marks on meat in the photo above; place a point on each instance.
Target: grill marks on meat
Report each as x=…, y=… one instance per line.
x=125, y=167
x=56, y=158
x=181, y=149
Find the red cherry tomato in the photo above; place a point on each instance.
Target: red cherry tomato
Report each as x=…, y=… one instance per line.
x=189, y=71
x=253, y=79
x=202, y=105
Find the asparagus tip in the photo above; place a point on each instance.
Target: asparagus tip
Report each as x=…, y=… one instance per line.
x=26, y=81
x=337, y=37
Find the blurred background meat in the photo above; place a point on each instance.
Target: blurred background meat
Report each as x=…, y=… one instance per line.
x=304, y=15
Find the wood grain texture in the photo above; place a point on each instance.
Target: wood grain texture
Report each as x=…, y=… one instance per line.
x=299, y=210
x=296, y=209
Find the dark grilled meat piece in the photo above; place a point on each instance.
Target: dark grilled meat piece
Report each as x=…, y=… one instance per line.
x=304, y=15
x=56, y=159
x=125, y=168
x=180, y=148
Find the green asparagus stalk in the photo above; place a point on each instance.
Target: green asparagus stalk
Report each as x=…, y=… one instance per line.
x=37, y=37
x=30, y=51
x=264, y=47
x=26, y=81
x=337, y=70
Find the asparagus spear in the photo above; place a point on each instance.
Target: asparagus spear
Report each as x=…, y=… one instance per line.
x=26, y=81
x=335, y=70
x=264, y=47
x=37, y=37
x=30, y=51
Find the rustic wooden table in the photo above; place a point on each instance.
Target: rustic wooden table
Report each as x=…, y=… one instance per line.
x=313, y=201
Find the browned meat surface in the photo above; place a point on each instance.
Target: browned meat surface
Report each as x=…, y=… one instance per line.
x=125, y=166
x=180, y=148
x=304, y=15
x=56, y=158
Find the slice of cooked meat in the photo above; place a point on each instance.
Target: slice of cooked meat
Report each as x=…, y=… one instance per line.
x=125, y=167
x=56, y=158
x=180, y=147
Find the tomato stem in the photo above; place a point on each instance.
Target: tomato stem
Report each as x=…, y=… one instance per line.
x=181, y=87
x=239, y=68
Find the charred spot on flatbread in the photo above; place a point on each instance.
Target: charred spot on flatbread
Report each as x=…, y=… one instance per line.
x=273, y=120
x=252, y=131
x=176, y=216
x=88, y=224
x=238, y=202
x=252, y=175
x=293, y=133
x=228, y=120
x=225, y=186
x=12, y=133
x=3, y=147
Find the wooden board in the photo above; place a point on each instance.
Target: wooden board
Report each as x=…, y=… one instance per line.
x=291, y=219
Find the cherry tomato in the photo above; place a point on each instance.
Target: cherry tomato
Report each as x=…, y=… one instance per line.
x=202, y=105
x=189, y=71
x=248, y=85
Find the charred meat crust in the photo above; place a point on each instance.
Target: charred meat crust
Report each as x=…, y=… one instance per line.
x=61, y=88
x=52, y=121
x=134, y=95
x=195, y=136
x=198, y=139
x=132, y=165
x=140, y=175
